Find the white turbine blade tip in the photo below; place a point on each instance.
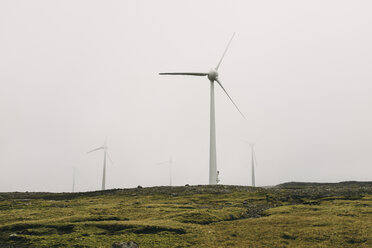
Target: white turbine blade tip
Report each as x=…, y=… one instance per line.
x=223, y=55
x=108, y=155
x=99, y=148
x=230, y=98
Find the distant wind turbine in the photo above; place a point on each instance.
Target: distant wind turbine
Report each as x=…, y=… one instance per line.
x=170, y=163
x=213, y=77
x=253, y=161
x=105, y=154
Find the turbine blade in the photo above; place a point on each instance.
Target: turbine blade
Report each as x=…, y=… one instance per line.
x=185, y=73
x=218, y=81
x=219, y=63
x=108, y=155
x=164, y=162
x=99, y=148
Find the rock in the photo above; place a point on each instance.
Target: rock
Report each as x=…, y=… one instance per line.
x=13, y=235
x=129, y=244
x=139, y=187
x=16, y=237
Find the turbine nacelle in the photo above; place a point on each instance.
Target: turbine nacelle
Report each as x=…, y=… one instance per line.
x=212, y=75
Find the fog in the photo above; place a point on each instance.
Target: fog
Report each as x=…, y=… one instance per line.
x=75, y=72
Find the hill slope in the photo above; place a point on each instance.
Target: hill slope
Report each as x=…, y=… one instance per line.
x=288, y=215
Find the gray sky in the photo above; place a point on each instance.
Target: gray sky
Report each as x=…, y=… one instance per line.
x=74, y=72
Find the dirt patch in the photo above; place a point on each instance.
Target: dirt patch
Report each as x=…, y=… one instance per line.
x=99, y=219
x=19, y=227
x=32, y=229
x=288, y=236
x=256, y=211
x=64, y=229
x=356, y=240
x=198, y=218
x=38, y=231
x=114, y=228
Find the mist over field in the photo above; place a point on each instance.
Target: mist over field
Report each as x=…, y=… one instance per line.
x=75, y=72
x=102, y=145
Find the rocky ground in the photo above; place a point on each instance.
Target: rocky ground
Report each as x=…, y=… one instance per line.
x=210, y=216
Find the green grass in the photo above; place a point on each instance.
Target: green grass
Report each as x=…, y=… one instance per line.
x=202, y=216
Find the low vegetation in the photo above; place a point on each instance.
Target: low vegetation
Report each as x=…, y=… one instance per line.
x=288, y=215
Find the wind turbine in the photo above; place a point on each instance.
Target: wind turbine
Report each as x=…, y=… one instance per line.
x=253, y=161
x=170, y=163
x=213, y=77
x=105, y=154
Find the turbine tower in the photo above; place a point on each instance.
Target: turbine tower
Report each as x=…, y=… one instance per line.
x=170, y=163
x=254, y=163
x=105, y=154
x=213, y=77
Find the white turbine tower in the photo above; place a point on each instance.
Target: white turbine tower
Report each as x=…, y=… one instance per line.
x=105, y=154
x=213, y=77
x=254, y=163
x=170, y=164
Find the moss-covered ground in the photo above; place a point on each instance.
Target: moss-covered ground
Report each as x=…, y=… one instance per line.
x=288, y=215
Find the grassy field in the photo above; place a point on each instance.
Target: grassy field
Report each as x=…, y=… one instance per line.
x=288, y=215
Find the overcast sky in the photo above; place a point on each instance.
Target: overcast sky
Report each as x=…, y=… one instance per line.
x=74, y=72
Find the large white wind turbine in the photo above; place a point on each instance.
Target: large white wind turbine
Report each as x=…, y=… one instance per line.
x=105, y=154
x=170, y=164
x=213, y=77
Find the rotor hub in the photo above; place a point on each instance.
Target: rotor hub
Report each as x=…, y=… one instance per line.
x=212, y=75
